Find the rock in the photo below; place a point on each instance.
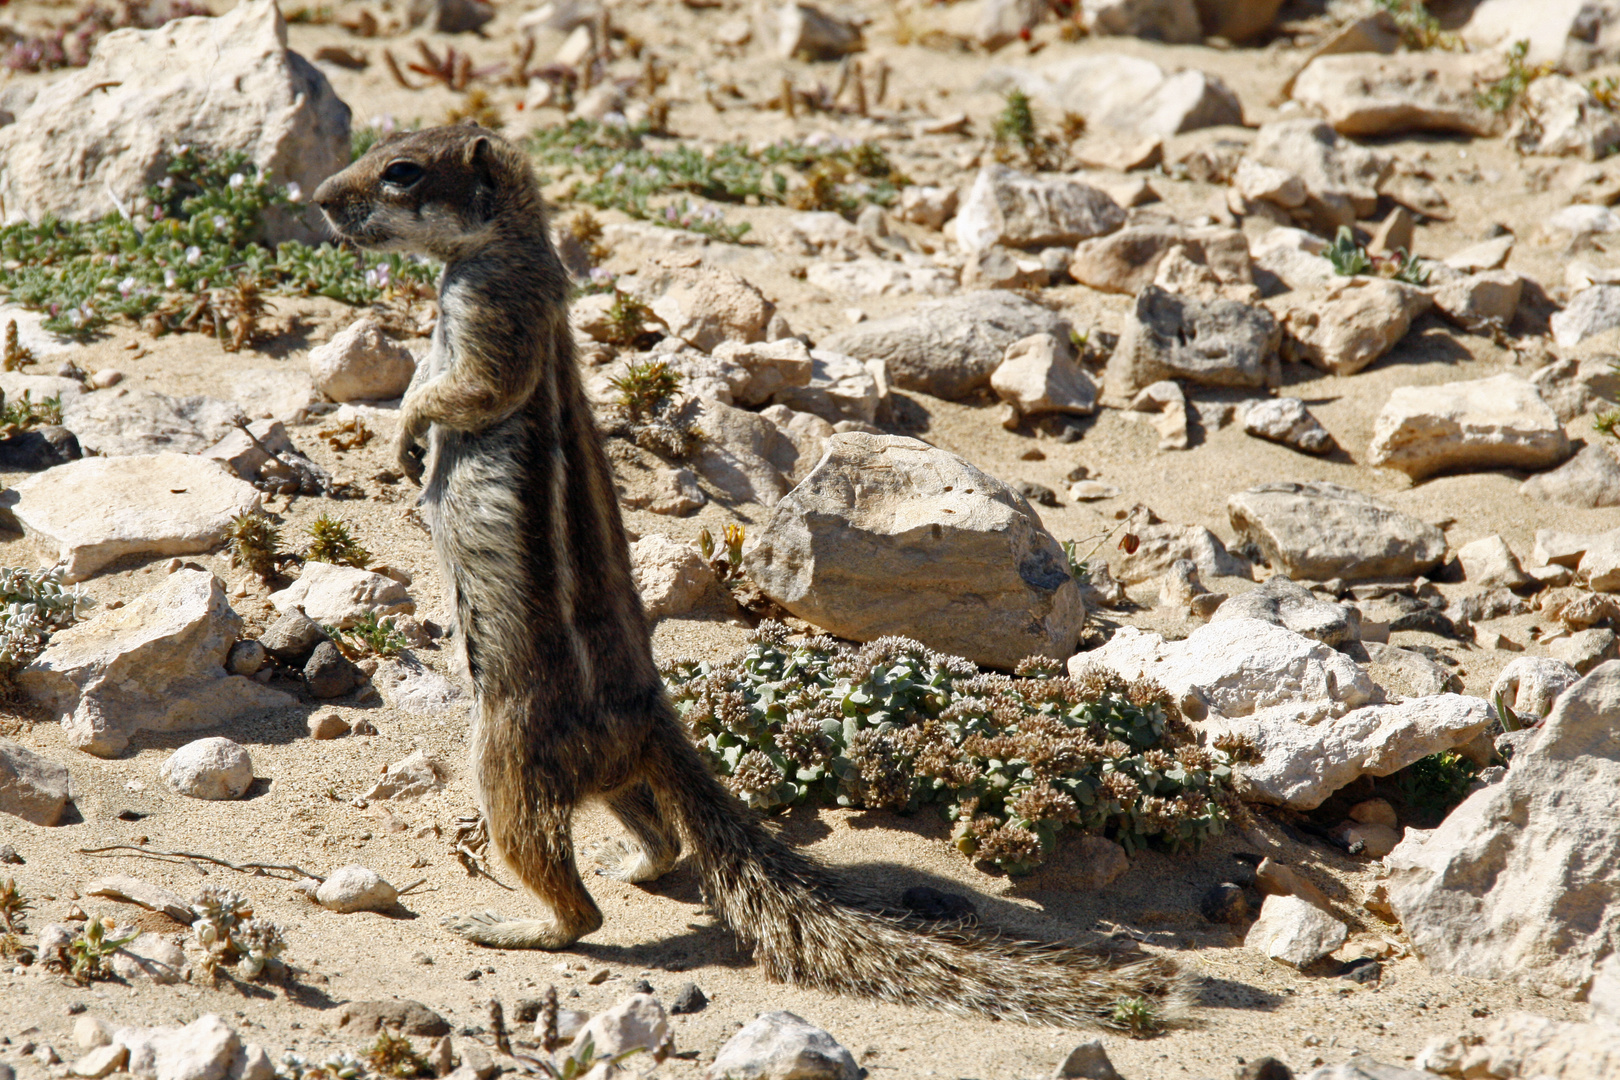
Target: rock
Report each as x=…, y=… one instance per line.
x=413, y=775
x=1561, y=548
x=635, y=1022
x=1237, y=20
x=1266, y=1068
x=1016, y=209
x=1519, y=881
x=1394, y=235
x=808, y=33
x=1530, y=685
x=90, y=1032
x=361, y=363
x=1132, y=97
x=1129, y=260
x=134, y=891
x=877, y=277
x=330, y=674
x=450, y=16
x=1167, y=406
x=948, y=348
x=1289, y=422
x=782, y=1046
x=40, y=448
x=1091, y=490
x=1559, y=116
x=156, y=664
x=771, y=367
x=100, y=509
x=1238, y=668
x=1210, y=343
x=1365, y=1068
x=291, y=638
x=1225, y=903
x=1408, y=674
x=247, y=460
x=1039, y=375
x=1318, y=531
x=1600, y=563
x=742, y=453
x=1160, y=545
x=1365, y=95
x=1585, y=649
x=1294, y=932
x=928, y=206
x=252, y=1063
x=202, y=1050
x=840, y=388
x=1294, y=258
x=402, y=1017
x=1574, y=35
x=1489, y=254
x=1339, y=176
x=999, y=268
x=1281, y=602
x=1590, y=479
x=1490, y=564
x=153, y=957
x=355, y=888
x=1172, y=21
x=1302, y=764
x=218, y=85
x=705, y=307
x=409, y=686
x=32, y=787
x=688, y=999
x=1525, y=1046
x=891, y=536
x=1343, y=327
x=214, y=768
x=342, y=595
x=1257, y=182
x=1590, y=312
x=671, y=577
x=1480, y=301
x=100, y=1062
x=1500, y=422
x=1087, y=1060
x=246, y=658
x=325, y=726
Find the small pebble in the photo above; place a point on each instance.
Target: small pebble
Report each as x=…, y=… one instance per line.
x=1225, y=903
x=327, y=726
x=688, y=999
x=8, y=855
x=599, y=976
x=641, y=986
x=474, y=975
x=106, y=377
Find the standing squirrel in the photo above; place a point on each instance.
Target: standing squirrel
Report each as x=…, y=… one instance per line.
x=569, y=704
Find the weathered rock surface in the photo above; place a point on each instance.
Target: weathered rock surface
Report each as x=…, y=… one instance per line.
x=1343, y=327
x=1165, y=406
x=202, y=1050
x=355, y=888
x=329, y=674
x=1292, y=606
x=635, y=1022
x=32, y=787
x=1159, y=545
x=361, y=363
x=1403, y=673
x=156, y=664
x=1172, y=21
x=1319, y=531
x=948, y=348
x=341, y=596
x=1039, y=375
x=771, y=367
x=1016, y=209
x=1294, y=932
x=1410, y=91
x=1531, y=685
x=1524, y=1046
x=413, y=775
x=672, y=578
x=1490, y=564
x=891, y=536
x=1590, y=312
x=1303, y=763
x=120, y=423
x=1559, y=116
x=214, y=768
x=1238, y=668
x=1482, y=300
x=1212, y=343
x=839, y=388
x=1590, y=479
x=1287, y=421
x=879, y=277
x=98, y=510
x=1500, y=422
x=1339, y=175
x=1132, y=96
x=742, y=453
x=779, y=1046
x=215, y=84
x=1129, y=260
x=1520, y=881
x=705, y=307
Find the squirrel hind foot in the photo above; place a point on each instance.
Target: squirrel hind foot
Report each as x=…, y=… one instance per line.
x=500, y=932
x=623, y=859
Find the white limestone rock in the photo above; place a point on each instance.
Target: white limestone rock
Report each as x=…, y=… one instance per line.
x=214, y=768
x=341, y=596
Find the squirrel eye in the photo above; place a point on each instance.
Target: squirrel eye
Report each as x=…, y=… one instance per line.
x=402, y=173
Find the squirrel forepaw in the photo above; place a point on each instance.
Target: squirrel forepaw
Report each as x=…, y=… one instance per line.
x=410, y=455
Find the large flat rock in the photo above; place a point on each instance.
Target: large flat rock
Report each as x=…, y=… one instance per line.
x=98, y=510
x=1318, y=531
x=1495, y=423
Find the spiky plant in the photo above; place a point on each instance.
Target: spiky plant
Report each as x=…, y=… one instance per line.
x=330, y=542
x=254, y=545
x=17, y=355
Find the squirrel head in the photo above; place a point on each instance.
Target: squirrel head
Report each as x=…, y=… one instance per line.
x=439, y=192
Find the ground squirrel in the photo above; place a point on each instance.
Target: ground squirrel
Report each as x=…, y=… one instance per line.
x=568, y=701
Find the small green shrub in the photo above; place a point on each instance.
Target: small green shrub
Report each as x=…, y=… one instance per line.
x=368, y=637
x=1406, y=268
x=16, y=416
x=627, y=324
x=90, y=948
x=1607, y=422
x=1137, y=1016
x=33, y=605
x=646, y=386
x=1433, y=786
x=223, y=924
x=1348, y=257
x=1013, y=761
x=393, y=1055
x=330, y=542
x=254, y=545
x=13, y=905
x=17, y=355
x=1419, y=29
x=188, y=259
x=1018, y=137
x=1504, y=93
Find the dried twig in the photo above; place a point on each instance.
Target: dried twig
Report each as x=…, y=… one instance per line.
x=393, y=69
x=258, y=869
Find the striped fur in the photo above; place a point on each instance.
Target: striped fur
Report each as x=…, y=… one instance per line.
x=568, y=702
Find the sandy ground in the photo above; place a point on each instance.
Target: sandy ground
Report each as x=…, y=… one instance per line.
x=300, y=809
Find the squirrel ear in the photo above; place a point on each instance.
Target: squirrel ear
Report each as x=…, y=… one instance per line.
x=480, y=156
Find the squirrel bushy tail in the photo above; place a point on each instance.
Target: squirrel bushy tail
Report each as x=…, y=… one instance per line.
x=805, y=929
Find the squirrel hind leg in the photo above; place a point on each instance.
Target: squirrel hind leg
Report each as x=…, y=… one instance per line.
x=501, y=932
x=652, y=847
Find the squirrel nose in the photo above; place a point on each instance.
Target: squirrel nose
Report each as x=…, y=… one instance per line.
x=326, y=194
